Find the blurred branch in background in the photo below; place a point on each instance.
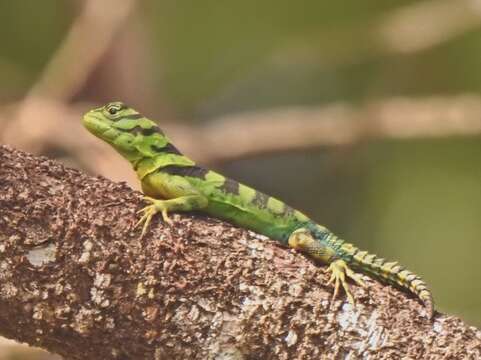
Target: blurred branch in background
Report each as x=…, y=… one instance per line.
x=419, y=26
x=90, y=35
x=339, y=124
x=405, y=30
x=90, y=38
x=252, y=134
x=245, y=134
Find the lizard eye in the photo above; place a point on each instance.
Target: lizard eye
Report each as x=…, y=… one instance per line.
x=113, y=109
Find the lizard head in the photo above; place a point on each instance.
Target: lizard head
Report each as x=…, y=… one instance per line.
x=131, y=134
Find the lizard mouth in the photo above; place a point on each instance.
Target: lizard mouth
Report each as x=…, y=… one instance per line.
x=95, y=125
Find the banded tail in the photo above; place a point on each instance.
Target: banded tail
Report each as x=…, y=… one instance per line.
x=391, y=272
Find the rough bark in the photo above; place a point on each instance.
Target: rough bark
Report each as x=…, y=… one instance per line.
x=77, y=280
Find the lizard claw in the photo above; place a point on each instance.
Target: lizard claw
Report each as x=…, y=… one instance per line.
x=339, y=269
x=148, y=213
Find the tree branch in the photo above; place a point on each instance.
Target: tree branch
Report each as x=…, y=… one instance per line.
x=77, y=280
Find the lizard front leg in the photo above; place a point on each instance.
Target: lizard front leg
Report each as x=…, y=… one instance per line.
x=183, y=203
x=303, y=240
x=180, y=195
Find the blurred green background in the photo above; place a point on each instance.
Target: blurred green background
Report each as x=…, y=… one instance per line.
x=187, y=63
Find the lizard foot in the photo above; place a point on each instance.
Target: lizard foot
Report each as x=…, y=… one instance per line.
x=339, y=269
x=149, y=211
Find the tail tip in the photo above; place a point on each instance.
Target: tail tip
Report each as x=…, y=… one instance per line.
x=429, y=305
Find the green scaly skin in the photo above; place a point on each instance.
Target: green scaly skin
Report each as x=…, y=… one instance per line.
x=173, y=182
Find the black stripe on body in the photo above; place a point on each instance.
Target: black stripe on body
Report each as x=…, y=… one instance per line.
x=288, y=211
x=142, y=131
x=192, y=171
x=167, y=149
x=260, y=200
x=355, y=252
x=230, y=186
x=148, y=132
x=323, y=234
x=145, y=132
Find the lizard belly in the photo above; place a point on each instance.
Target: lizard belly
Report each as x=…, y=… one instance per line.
x=156, y=191
x=163, y=186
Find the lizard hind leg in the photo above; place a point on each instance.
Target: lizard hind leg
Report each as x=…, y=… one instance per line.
x=303, y=240
x=339, y=270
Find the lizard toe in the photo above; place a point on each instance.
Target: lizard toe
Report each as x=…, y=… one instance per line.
x=339, y=270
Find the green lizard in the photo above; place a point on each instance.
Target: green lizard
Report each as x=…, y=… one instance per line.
x=173, y=182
